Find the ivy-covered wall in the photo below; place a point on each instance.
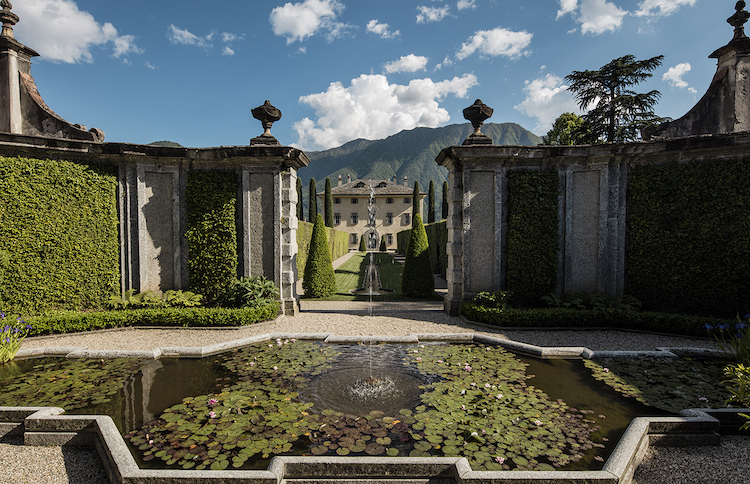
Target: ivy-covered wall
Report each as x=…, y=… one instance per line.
x=532, y=240
x=59, y=232
x=211, y=199
x=338, y=242
x=437, y=237
x=689, y=237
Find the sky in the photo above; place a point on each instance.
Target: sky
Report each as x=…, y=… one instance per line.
x=190, y=72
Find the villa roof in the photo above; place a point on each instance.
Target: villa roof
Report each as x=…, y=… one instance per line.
x=380, y=187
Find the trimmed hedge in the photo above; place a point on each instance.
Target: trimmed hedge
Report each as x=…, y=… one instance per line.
x=437, y=237
x=533, y=237
x=73, y=322
x=689, y=237
x=211, y=200
x=59, y=230
x=338, y=243
x=417, y=279
x=589, y=318
x=319, y=279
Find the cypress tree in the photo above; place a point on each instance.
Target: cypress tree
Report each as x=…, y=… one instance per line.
x=300, y=207
x=445, y=199
x=415, y=203
x=362, y=243
x=383, y=247
x=431, y=203
x=417, y=279
x=320, y=280
x=312, y=203
x=328, y=204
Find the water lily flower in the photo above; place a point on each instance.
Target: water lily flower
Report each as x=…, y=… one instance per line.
x=602, y=416
x=275, y=368
x=439, y=361
x=293, y=340
x=499, y=396
x=211, y=414
x=499, y=459
x=416, y=351
x=463, y=392
x=463, y=407
x=467, y=368
x=213, y=401
x=703, y=399
x=606, y=370
x=537, y=422
x=252, y=363
x=487, y=385
x=419, y=359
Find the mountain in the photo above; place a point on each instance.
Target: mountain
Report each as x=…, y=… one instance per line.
x=409, y=153
x=168, y=144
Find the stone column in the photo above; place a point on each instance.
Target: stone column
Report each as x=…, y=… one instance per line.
x=288, y=243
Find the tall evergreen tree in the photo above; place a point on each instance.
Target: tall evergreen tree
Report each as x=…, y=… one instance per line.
x=320, y=279
x=362, y=243
x=431, y=203
x=445, y=200
x=300, y=207
x=417, y=279
x=312, y=203
x=415, y=203
x=328, y=207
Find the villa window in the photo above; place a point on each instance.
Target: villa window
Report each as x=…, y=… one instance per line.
x=389, y=218
x=407, y=199
x=353, y=239
x=389, y=200
x=355, y=200
x=355, y=219
x=336, y=200
x=407, y=219
x=388, y=239
x=337, y=218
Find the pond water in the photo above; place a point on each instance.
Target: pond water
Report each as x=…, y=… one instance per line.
x=238, y=409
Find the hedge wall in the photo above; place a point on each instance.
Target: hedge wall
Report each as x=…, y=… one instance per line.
x=58, y=228
x=338, y=243
x=437, y=236
x=689, y=237
x=532, y=235
x=211, y=199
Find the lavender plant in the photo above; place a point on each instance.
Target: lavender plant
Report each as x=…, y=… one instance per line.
x=11, y=336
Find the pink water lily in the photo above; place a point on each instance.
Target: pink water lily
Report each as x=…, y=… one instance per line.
x=213, y=401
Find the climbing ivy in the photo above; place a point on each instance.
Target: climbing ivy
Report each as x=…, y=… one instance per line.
x=58, y=230
x=689, y=237
x=532, y=234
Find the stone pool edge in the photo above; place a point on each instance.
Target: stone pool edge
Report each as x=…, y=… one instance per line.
x=49, y=426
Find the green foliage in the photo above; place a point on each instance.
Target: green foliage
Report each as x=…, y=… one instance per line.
x=415, y=203
x=495, y=300
x=445, y=200
x=312, y=202
x=250, y=292
x=211, y=234
x=618, y=113
x=59, y=231
x=300, y=206
x=338, y=242
x=362, y=244
x=72, y=322
x=682, y=324
x=733, y=339
x=150, y=299
x=319, y=280
x=13, y=329
x=532, y=234
x=569, y=129
x=431, y=203
x=592, y=300
x=383, y=247
x=437, y=238
x=739, y=386
x=689, y=237
x=328, y=203
x=418, y=280
x=4, y=263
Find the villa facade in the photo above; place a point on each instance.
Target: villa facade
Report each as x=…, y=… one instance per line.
x=389, y=213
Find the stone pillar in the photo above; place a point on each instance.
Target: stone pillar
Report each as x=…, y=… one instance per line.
x=288, y=243
x=454, y=247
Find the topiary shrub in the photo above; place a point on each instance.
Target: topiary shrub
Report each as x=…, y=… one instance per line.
x=383, y=247
x=362, y=244
x=417, y=280
x=320, y=280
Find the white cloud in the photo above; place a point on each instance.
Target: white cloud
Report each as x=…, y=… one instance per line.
x=298, y=21
x=464, y=4
x=674, y=75
x=227, y=50
x=62, y=33
x=546, y=99
x=150, y=66
x=407, y=63
x=431, y=14
x=183, y=36
x=496, y=42
x=595, y=16
x=228, y=38
x=373, y=108
x=665, y=7
x=381, y=29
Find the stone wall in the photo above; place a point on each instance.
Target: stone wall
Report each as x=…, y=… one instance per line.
x=592, y=208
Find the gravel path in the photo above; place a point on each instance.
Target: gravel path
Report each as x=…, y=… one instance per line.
x=728, y=464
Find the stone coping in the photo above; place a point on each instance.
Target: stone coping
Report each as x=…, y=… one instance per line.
x=51, y=426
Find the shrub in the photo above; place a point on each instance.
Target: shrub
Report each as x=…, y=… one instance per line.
x=733, y=339
x=418, y=280
x=12, y=333
x=383, y=247
x=739, y=381
x=320, y=280
x=592, y=300
x=496, y=300
x=71, y=322
x=249, y=292
x=212, y=232
x=169, y=299
x=362, y=244
x=338, y=242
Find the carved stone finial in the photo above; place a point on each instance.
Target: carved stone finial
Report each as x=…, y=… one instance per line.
x=738, y=20
x=267, y=115
x=477, y=113
x=8, y=18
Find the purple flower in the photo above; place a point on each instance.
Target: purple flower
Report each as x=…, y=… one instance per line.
x=213, y=401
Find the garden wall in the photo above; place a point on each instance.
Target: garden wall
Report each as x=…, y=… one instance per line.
x=666, y=221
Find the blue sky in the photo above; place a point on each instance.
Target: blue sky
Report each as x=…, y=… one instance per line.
x=191, y=71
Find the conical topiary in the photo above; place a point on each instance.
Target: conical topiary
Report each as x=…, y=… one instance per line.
x=383, y=247
x=417, y=279
x=320, y=280
x=362, y=243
